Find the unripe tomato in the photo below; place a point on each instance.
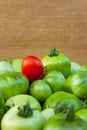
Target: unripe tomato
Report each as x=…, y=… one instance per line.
x=40, y=89
x=56, y=60
x=77, y=84
x=17, y=64
x=22, y=117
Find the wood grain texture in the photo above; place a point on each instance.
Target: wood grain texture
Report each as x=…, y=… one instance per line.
x=33, y=27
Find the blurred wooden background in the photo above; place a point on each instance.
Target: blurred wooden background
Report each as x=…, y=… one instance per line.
x=33, y=27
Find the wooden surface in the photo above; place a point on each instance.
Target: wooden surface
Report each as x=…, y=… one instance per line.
x=32, y=27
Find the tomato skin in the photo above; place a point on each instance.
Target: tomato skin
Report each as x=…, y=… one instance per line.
x=12, y=121
x=20, y=99
x=48, y=113
x=65, y=120
x=56, y=80
x=58, y=122
x=82, y=114
x=40, y=89
x=64, y=98
x=32, y=67
x=13, y=84
x=77, y=84
x=59, y=62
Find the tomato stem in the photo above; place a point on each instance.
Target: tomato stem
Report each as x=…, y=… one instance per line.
x=60, y=107
x=70, y=114
x=25, y=110
x=67, y=110
x=53, y=52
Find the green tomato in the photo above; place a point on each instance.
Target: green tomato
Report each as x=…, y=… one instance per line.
x=17, y=64
x=77, y=84
x=13, y=84
x=57, y=61
x=75, y=67
x=56, y=80
x=64, y=121
x=82, y=114
x=22, y=118
x=20, y=99
x=5, y=68
x=64, y=99
x=40, y=89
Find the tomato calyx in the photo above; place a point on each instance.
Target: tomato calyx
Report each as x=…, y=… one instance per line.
x=70, y=116
x=61, y=107
x=25, y=110
x=53, y=52
x=69, y=112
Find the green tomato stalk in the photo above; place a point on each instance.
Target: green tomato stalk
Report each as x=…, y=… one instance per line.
x=53, y=52
x=25, y=110
x=70, y=116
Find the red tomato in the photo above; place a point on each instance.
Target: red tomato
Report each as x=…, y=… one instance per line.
x=33, y=68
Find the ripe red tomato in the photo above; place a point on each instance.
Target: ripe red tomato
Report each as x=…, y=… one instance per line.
x=32, y=67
